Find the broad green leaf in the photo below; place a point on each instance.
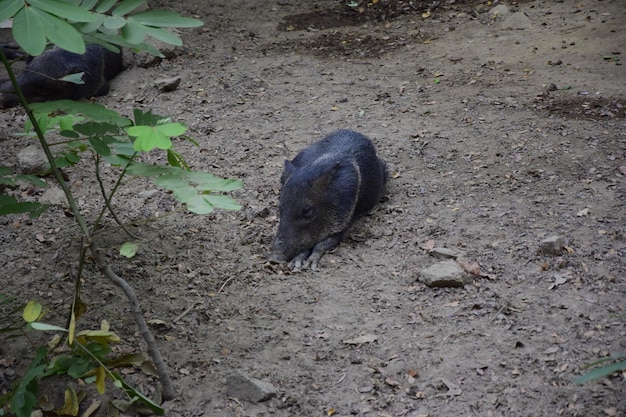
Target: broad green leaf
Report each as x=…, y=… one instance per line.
x=146, y=170
x=133, y=33
x=99, y=146
x=17, y=208
x=223, y=202
x=64, y=9
x=163, y=36
x=93, y=111
x=148, y=138
x=61, y=33
x=8, y=8
x=86, y=4
x=33, y=179
x=176, y=160
x=126, y=7
x=76, y=78
x=128, y=249
x=90, y=27
x=47, y=327
x=601, y=372
x=114, y=22
x=32, y=311
x=199, y=205
x=28, y=31
x=171, y=129
x=164, y=18
x=105, y=5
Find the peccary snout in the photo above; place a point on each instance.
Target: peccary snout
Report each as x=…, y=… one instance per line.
x=325, y=189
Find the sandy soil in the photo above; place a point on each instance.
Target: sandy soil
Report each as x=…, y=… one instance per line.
x=496, y=138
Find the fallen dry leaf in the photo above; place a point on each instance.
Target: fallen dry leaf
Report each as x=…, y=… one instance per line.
x=470, y=267
x=428, y=245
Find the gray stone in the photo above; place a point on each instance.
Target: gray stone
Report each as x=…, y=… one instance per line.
x=499, y=11
x=167, y=84
x=244, y=387
x=517, y=21
x=32, y=160
x=444, y=274
x=54, y=196
x=552, y=245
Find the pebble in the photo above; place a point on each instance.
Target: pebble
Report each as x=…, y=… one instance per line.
x=444, y=274
x=54, y=196
x=167, y=84
x=32, y=160
x=244, y=387
x=517, y=21
x=552, y=245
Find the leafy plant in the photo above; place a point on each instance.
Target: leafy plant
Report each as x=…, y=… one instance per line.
x=602, y=371
x=107, y=136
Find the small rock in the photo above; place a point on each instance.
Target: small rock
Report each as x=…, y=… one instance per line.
x=53, y=196
x=32, y=160
x=244, y=387
x=517, y=21
x=445, y=253
x=444, y=274
x=167, y=84
x=552, y=245
x=499, y=11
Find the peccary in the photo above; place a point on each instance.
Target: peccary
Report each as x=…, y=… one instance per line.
x=325, y=189
x=40, y=80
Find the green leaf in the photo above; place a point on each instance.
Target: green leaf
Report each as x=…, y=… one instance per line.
x=93, y=111
x=76, y=78
x=24, y=398
x=7, y=207
x=133, y=33
x=28, y=31
x=46, y=327
x=98, y=145
x=8, y=8
x=164, y=18
x=114, y=22
x=90, y=27
x=164, y=36
x=128, y=249
x=105, y=5
x=601, y=372
x=199, y=205
x=171, y=129
x=223, y=202
x=148, y=138
x=61, y=33
x=64, y=9
x=126, y=7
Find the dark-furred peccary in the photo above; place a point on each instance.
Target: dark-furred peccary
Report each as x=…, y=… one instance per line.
x=41, y=80
x=325, y=189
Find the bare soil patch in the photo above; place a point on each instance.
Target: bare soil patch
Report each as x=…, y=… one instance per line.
x=486, y=158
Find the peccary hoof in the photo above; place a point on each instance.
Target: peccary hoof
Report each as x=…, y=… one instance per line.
x=277, y=258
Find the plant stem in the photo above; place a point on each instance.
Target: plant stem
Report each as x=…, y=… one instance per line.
x=168, y=389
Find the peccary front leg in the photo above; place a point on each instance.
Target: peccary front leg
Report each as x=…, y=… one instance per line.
x=310, y=258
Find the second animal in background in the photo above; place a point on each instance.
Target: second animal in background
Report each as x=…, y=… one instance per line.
x=325, y=188
x=41, y=80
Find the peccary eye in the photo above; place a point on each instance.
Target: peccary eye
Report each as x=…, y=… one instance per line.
x=307, y=213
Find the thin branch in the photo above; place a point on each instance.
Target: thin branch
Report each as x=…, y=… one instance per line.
x=168, y=389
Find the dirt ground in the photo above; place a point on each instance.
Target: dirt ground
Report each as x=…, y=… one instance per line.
x=498, y=133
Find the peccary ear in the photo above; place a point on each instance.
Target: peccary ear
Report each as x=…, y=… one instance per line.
x=290, y=168
x=326, y=177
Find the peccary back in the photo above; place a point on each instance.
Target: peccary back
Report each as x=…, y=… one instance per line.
x=325, y=188
x=40, y=81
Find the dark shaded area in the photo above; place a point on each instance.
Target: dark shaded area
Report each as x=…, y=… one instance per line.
x=337, y=44
x=586, y=107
